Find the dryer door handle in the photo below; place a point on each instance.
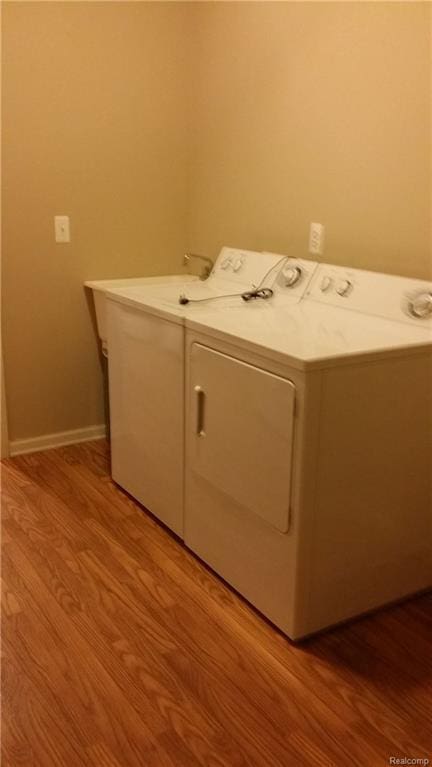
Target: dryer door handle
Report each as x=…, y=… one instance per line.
x=200, y=408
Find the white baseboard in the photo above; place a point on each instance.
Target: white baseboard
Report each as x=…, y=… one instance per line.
x=48, y=441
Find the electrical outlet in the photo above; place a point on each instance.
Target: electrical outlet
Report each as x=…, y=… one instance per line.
x=316, y=239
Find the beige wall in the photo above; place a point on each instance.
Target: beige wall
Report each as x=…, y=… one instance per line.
x=94, y=127
x=315, y=112
x=160, y=126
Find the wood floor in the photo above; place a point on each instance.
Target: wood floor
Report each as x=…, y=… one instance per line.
x=121, y=650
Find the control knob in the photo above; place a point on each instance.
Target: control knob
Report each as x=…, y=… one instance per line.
x=344, y=288
x=421, y=305
x=291, y=276
x=238, y=263
x=325, y=283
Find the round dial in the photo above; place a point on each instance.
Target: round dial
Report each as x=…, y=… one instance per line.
x=344, y=287
x=325, y=283
x=421, y=305
x=226, y=262
x=291, y=275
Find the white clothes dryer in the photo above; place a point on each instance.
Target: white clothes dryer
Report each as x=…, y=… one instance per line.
x=309, y=447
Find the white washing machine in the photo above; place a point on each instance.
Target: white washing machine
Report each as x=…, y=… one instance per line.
x=309, y=447
x=100, y=288
x=146, y=368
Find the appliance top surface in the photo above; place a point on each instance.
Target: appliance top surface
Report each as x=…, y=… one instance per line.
x=140, y=282
x=376, y=314
x=234, y=272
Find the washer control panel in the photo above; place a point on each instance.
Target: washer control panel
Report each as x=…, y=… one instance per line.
x=245, y=267
x=290, y=275
x=293, y=277
x=232, y=261
x=286, y=276
x=384, y=295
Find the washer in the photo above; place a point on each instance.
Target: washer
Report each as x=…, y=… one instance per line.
x=308, y=447
x=100, y=288
x=146, y=369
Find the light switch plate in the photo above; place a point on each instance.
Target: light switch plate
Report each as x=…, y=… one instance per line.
x=62, y=228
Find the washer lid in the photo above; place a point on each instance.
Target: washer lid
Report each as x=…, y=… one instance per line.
x=234, y=272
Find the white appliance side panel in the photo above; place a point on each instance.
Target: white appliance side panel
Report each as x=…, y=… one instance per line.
x=372, y=530
x=243, y=445
x=146, y=383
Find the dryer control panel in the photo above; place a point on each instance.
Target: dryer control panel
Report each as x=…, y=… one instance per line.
x=384, y=295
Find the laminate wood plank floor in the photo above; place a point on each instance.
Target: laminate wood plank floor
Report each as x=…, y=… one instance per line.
x=120, y=649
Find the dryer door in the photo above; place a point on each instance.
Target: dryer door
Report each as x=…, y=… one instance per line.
x=240, y=434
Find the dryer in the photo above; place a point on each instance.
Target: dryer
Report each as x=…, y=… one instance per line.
x=309, y=447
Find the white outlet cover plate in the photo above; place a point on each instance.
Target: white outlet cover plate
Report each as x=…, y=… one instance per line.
x=316, y=239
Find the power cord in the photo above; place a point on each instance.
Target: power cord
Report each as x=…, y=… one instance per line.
x=248, y=295
x=185, y=300
x=257, y=293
